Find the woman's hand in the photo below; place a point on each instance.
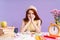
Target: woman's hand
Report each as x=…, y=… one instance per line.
x=32, y=17
x=29, y=17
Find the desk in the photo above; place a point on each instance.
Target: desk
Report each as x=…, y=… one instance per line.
x=25, y=36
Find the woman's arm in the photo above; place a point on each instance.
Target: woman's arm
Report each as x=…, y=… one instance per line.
x=37, y=27
x=24, y=27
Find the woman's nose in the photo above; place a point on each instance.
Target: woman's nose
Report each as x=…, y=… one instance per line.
x=31, y=14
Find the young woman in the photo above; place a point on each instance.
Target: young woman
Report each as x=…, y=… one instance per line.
x=31, y=22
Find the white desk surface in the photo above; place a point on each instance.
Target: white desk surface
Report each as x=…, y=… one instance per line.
x=20, y=36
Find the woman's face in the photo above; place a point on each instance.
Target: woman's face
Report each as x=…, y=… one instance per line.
x=31, y=14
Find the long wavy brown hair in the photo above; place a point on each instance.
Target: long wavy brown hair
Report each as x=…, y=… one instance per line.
x=35, y=13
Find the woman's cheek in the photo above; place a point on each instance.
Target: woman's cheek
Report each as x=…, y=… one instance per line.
x=29, y=16
x=33, y=16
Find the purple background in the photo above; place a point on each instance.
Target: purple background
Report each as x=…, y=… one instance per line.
x=13, y=11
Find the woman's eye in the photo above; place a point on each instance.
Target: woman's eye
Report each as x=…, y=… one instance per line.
x=32, y=13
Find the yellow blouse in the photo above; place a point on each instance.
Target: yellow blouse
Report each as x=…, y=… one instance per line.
x=31, y=27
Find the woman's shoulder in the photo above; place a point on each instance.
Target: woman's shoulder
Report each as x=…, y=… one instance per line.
x=37, y=21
